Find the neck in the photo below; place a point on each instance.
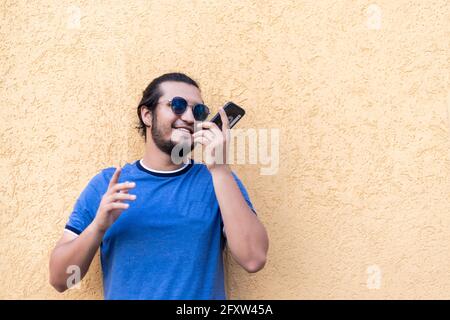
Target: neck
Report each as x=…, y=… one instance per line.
x=156, y=159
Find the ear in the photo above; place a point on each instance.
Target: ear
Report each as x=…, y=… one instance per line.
x=146, y=116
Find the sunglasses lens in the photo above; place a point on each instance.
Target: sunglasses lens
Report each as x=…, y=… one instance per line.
x=179, y=105
x=200, y=112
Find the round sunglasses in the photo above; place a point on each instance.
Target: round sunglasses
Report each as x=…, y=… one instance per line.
x=179, y=106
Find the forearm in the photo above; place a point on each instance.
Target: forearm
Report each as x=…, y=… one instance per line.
x=78, y=252
x=246, y=236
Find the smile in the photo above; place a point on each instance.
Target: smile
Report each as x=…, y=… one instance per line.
x=184, y=130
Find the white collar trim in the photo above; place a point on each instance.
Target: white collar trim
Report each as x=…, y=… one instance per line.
x=159, y=171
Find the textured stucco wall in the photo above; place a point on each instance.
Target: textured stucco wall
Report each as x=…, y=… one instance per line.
x=360, y=93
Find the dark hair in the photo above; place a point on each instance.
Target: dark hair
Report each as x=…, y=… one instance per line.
x=152, y=93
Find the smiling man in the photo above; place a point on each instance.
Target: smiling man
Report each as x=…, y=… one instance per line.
x=162, y=226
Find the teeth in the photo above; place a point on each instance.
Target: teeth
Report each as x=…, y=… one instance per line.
x=183, y=129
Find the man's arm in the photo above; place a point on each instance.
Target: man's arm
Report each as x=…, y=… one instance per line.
x=72, y=250
x=246, y=236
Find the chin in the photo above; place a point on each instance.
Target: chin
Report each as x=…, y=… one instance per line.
x=183, y=142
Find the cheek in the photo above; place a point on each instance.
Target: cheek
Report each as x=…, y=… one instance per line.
x=165, y=119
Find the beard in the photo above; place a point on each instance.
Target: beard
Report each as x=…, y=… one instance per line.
x=167, y=145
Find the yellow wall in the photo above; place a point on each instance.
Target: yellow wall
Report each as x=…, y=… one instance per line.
x=361, y=96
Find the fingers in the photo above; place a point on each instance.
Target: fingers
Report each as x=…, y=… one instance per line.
x=204, y=133
x=211, y=126
x=116, y=205
x=225, y=122
x=122, y=196
x=115, y=177
x=211, y=132
x=201, y=140
x=124, y=186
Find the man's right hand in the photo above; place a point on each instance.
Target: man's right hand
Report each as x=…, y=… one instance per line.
x=111, y=205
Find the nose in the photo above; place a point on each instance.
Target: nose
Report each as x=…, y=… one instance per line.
x=188, y=116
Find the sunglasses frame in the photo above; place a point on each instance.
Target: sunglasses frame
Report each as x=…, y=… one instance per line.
x=169, y=102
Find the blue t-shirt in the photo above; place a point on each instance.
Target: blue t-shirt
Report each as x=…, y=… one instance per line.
x=168, y=244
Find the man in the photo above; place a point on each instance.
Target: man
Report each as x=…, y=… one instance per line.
x=162, y=226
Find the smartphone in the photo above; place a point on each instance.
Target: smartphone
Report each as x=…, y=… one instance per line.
x=233, y=112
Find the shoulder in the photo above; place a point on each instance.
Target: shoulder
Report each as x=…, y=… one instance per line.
x=105, y=174
x=198, y=166
x=100, y=180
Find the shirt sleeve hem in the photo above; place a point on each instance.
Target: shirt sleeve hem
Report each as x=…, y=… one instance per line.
x=72, y=229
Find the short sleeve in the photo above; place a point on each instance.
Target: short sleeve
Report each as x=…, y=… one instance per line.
x=244, y=192
x=85, y=207
x=246, y=197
